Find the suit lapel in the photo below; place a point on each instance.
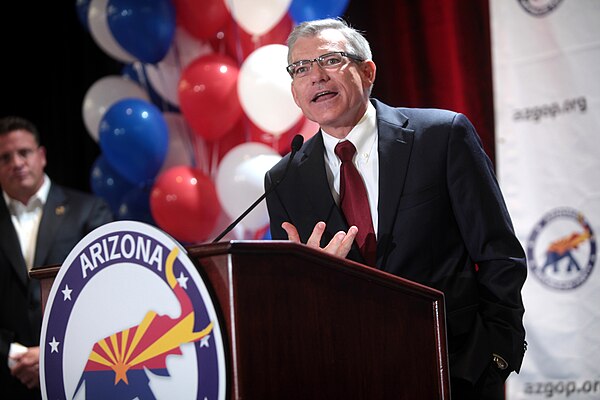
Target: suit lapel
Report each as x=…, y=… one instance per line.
x=314, y=179
x=9, y=244
x=395, y=145
x=54, y=213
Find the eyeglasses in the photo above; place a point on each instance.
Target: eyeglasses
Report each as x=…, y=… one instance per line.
x=330, y=61
x=24, y=154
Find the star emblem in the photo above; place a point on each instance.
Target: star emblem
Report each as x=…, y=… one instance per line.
x=54, y=345
x=66, y=293
x=204, y=341
x=182, y=280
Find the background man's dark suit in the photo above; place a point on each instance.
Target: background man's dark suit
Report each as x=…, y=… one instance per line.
x=67, y=217
x=442, y=223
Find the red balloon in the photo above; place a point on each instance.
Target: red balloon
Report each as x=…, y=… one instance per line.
x=201, y=18
x=241, y=43
x=208, y=95
x=281, y=143
x=184, y=203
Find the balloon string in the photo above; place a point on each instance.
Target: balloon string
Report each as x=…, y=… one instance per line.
x=164, y=105
x=214, y=162
x=191, y=139
x=188, y=138
x=140, y=71
x=238, y=44
x=141, y=74
x=236, y=35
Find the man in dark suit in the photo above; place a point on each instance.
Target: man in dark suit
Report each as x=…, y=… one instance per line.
x=435, y=204
x=40, y=222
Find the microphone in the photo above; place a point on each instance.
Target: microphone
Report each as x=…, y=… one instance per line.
x=295, y=146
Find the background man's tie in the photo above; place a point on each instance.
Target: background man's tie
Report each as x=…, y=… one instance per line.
x=355, y=202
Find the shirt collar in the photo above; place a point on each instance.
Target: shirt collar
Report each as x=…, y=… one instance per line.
x=41, y=195
x=361, y=136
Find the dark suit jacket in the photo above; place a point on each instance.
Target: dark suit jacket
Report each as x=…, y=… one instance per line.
x=442, y=223
x=68, y=216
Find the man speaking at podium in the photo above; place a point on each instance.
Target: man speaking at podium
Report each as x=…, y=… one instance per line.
x=407, y=191
x=40, y=222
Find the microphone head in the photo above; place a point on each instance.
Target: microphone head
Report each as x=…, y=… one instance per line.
x=297, y=142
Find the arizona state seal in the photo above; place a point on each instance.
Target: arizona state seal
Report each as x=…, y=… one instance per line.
x=129, y=316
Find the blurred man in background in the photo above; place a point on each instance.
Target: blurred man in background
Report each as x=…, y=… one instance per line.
x=40, y=222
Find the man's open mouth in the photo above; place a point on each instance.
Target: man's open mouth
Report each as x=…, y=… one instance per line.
x=324, y=95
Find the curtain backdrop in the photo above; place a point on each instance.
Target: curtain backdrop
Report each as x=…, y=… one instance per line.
x=432, y=53
x=429, y=53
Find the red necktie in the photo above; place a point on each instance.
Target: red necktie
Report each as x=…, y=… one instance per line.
x=355, y=202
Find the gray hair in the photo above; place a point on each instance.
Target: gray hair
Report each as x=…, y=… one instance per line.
x=357, y=43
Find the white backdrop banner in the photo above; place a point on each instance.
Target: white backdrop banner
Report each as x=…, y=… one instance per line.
x=546, y=60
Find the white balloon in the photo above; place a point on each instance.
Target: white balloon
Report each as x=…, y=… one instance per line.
x=101, y=33
x=181, y=148
x=264, y=90
x=164, y=76
x=258, y=17
x=240, y=181
x=103, y=94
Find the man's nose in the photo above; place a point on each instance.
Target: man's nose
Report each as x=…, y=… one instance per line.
x=16, y=159
x=317, y=73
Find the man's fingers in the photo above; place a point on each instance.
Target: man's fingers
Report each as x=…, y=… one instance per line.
x=346, y=244
x=291, y=231
x=341, y=243
x=334, y=244
x=315, y=237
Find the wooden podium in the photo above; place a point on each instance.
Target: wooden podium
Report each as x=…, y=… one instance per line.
x=301, y=324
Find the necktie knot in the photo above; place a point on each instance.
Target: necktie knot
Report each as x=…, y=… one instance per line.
x=345, y=150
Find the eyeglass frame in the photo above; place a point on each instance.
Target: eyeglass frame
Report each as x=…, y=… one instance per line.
x=320, y=59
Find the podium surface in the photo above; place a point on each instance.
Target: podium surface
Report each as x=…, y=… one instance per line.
x=303, y=324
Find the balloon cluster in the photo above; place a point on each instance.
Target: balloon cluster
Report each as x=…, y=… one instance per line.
x=200, y=112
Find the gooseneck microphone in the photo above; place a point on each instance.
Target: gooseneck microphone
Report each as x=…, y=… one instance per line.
x=295, y=146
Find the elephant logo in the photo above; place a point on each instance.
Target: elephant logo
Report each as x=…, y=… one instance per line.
x=561, y=249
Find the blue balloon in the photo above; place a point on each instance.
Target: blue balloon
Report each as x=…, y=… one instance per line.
x=144, y=28
x=82, y=7
x=108, y=184
x=134, y=138
x=309, y=10
x=135, y=205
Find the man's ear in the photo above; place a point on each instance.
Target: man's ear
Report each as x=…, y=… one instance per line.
x=42, y=151
x=369, y=70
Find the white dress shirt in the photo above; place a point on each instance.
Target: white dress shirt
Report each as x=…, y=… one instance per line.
x=26, y=219
x=364, y=137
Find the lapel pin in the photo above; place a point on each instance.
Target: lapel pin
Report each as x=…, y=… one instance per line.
x=60, y=210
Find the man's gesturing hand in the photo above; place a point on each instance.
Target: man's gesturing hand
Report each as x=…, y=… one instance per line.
x=339, y=245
